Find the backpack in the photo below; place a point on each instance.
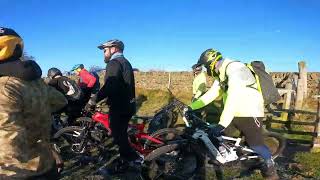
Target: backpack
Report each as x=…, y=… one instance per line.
x=74, y=93
x=96, y=86
x=265, y=84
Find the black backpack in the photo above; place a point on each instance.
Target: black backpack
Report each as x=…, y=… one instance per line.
x=96, y=86
x=264, y=82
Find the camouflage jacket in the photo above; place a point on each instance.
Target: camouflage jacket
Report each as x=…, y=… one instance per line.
x=25, y=122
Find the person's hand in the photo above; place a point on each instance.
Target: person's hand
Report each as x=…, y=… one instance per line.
x=187, y=111
x=89, y=107
x=216, y=131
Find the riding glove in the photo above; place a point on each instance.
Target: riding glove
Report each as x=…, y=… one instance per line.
x=216, y=131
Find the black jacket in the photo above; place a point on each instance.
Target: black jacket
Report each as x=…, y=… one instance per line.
x=59, y=84
x=119, y=87
x=26, y=70
x=68, y=87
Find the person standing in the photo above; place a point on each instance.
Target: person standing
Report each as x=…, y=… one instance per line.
x=70, y=89
x=199, y=84
x=89, y=85
x=26, y=104
x=119, y=89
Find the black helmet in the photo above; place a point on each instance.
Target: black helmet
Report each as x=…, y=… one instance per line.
x=112, y=43
x=196, y=68
x=209, y=56
x=53, y=72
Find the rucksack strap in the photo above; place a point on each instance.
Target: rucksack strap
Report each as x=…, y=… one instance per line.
x=224, y=84
x=248, y=65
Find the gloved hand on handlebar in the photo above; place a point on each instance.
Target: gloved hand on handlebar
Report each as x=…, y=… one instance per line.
x=187, y=111
x=90, y=105
x=216, y=131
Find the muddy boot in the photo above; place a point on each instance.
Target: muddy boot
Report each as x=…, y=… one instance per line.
x=269, y=171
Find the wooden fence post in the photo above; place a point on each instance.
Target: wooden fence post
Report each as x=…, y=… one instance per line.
x=304, y=76
x=287, y=102
x=295, y=86
x=302, y=86
x=316, y=140
x=169, y=81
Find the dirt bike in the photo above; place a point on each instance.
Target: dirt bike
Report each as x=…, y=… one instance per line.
x=91, y=141
x=184, y=157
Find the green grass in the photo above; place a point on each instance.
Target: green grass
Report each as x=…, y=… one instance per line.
x=149, y=101
x=310, y=163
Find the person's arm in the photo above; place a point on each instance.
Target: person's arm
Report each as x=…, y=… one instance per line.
x=228, y=112
x=52, y=82
x=111, y=80
x=200, y=90
x=56, y=99
x=11, y=103
x=213, y=93
x=81, y=83
x=201, y=86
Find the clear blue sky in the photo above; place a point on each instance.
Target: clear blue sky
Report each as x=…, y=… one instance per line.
x=168, y=34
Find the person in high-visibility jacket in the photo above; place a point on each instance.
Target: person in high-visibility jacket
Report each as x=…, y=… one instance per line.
x=199, y=84
x=243, y=103
x=199, y=87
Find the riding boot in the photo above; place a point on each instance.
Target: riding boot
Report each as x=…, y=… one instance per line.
x=269, y=171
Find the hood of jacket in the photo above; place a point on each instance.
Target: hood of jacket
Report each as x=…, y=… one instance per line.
x=26, y=70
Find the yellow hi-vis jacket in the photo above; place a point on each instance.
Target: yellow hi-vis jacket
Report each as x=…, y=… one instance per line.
x=199, y=85
x=241, y=98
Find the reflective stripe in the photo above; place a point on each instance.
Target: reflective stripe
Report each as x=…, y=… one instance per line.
x=257, y=122
x=256, y=77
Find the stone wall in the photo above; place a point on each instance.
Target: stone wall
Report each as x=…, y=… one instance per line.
x=160, y=80
x=183, y=80
x=281, y=79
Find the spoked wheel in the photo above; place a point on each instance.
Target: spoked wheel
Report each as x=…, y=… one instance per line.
x=171, y=162
x=162, y=137
x=275, y=142
x=69, y=138
x=73, y=147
